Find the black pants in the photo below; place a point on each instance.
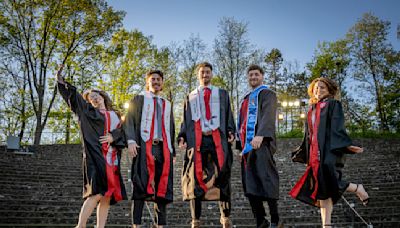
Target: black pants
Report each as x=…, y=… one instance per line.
x=195, y=208
x=208, y=156
x=159, y=204
x=160, y=209
x=258, y=209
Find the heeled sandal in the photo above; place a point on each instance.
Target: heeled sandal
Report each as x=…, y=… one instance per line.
x=364, y=201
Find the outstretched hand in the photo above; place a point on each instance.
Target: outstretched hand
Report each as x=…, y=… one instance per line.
x=59, y=78
x=355, y=149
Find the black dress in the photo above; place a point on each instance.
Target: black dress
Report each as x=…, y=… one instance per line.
x=323, y=176
x=101, y=164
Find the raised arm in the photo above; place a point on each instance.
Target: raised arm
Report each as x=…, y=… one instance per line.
x=68, y=92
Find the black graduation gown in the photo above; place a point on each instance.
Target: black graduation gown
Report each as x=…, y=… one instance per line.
x=332, y=142
x=140, y=174
x=259, y=174
x=221, y=189
x=91, y=123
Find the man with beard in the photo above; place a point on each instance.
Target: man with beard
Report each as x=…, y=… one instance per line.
x=149, y=129
x=256, y=127
x=206, y=133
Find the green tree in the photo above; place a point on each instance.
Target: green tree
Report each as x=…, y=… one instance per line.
x=233, y=54
x=274, y=61
x=192, y=52
x=42, y=33
x=369, y=46
x=126, y=60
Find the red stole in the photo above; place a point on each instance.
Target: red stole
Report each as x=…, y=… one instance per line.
x=314, y=160
x=242, y=129
x=113, y=183
x=162, y=185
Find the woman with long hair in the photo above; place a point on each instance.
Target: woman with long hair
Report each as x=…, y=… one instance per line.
x=323, y=148
x=103, y=140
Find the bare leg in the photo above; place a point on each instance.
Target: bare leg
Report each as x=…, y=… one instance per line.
x=87, y=209
x=102, y=211
x=326, y=211
x=359, y=190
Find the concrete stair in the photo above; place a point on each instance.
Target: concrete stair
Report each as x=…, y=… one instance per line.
x=44, y=190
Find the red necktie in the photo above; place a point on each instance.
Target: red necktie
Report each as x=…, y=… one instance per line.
x=207, y=95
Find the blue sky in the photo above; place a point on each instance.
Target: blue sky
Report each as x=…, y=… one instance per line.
x=293, y=26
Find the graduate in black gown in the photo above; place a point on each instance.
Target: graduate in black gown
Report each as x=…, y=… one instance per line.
x=150, y=131
x=257, y=142
x=323, y=148
x=206, y=135
x=102, y=140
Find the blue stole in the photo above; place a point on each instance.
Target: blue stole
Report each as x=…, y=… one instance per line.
x=251, y=117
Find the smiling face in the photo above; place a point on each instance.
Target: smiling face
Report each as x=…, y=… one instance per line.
x=96, y=100
x=320, y=90
x=204, y=75
x=255, y=78
x=155, y=83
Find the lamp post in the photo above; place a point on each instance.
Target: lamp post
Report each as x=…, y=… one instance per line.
x=284, y=105
x=280, y=118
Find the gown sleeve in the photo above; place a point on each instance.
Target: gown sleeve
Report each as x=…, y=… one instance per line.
x=74, y=99
x=131, y=119
x=172, y=129
x=339, y=138
x=182, y=131
x=267, y=115
x=118, y=135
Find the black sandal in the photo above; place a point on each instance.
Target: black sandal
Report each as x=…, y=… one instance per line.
x=364, y=201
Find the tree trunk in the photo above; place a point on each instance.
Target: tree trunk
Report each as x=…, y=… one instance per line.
x=68, y=128
x=38, y=132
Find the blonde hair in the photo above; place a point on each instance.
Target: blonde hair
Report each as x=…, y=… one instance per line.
x=333, y=89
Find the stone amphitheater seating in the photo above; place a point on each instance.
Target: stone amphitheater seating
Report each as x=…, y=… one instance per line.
x=44, y=190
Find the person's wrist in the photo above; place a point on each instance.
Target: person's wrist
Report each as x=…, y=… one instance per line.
x=131, y=142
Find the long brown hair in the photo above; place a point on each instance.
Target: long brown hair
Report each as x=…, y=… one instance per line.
x=107, y=100
x=333, y=89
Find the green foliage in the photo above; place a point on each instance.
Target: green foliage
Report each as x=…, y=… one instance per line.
x=36, y=34
x=295, y=133
x=369, y=46
x=126, y=60
x=274, y=60
x=375, y=135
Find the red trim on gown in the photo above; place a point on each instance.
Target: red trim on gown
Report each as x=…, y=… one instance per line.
x=216, y=135
x=314, y=160
x=113, y=182
x=149, y=156
x=243, y=126
x=163, y=184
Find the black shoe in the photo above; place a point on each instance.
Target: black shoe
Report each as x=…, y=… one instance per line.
x=273, y=225
x=265, y=224
x=276, y=225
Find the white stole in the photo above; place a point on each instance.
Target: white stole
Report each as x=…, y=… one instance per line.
x=196, y=102
x=147, y=118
